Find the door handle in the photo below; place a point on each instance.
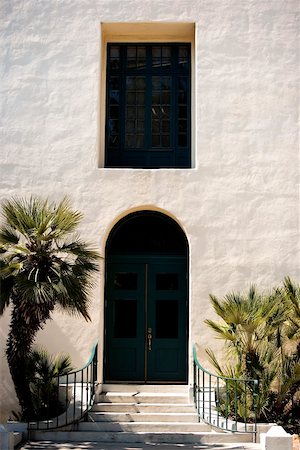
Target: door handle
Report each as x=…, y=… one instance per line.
x=149, y=338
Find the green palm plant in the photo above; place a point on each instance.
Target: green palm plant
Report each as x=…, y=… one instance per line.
x=257, y=330
x=42, y=265
x=291, y=294
x=44, y=371
x=245, y=323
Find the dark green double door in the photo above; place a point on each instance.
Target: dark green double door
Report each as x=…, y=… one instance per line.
x=146, y=319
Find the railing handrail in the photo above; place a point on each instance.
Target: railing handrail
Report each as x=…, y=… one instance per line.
x=92, y=355
x=219, y=376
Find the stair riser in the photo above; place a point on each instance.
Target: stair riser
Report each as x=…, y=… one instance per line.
x=165, y=408
x=125, y=437
x=143, y=427
x=106, y=398
x=145, y=388
x=143, y=417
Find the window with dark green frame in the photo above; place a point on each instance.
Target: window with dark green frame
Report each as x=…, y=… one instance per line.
x=148, y=105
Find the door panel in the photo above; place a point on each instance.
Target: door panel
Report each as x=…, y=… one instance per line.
x=146, y=320
x=125, y=322
x=167, y=317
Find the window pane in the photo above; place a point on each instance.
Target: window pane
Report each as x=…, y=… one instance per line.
x=131, y=112
x=140, y=112
x=166, y=97
x=165, y=141
x=114, y=112
x=141, y=57
x=140, y=98
x=182, y=140
x=114, y=126
x=130, y=98
x=166, y=126
x=166, y=319
x=167, y=281
x=161, y=56
x=125, y=315
x=161, y=111
x=113, y=141
x=114, y=57
x=182, y=125
x=135, y=112
x=155, y=140
x=130, y=140
x=130, y=126
x=140, y=125
x=155, y=126
x=136, y=57
x=125, y=281
x=183, y=57
x=139, y=143
x=182, y=112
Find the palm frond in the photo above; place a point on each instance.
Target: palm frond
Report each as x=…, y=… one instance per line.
x=222, y=331
x=8, y=235
x=65, y=220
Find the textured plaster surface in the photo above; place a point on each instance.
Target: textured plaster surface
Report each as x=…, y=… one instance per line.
x=239, y=205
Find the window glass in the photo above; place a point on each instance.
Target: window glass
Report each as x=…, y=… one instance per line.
x=167, y=281
x=166, y=319
x=148, y=105
x=125, y=281
x=125, y=318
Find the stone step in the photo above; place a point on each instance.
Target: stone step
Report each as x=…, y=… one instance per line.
x=144, y=427
x=144, y=407
x=143, y=388
x=138, y=397
x=143, y=417
x=140, y=437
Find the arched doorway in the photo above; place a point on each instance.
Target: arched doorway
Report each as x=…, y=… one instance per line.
x=146, y=305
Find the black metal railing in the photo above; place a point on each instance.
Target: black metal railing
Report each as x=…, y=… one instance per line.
x=65, y=399
x=223, y=402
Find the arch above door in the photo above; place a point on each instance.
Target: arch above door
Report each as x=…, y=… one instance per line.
x=146, y=307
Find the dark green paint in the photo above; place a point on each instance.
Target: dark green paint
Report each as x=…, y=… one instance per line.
x=128, y=357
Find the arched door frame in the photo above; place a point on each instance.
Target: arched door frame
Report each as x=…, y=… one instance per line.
x=171, y=261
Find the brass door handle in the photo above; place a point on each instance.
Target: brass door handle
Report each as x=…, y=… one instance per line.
x=149, y=337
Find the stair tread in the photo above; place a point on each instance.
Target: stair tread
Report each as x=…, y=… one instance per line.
x=142, y=404
x=146, y=414
x=144, y=394
x=150, y=423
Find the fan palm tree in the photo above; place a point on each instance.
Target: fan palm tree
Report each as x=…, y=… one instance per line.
x=257, y=330
x=42, y=265
x=246, y=322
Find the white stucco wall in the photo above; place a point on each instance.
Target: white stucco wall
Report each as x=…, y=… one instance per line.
x=239, y=205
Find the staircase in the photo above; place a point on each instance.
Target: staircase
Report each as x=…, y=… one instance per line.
x=142, y=414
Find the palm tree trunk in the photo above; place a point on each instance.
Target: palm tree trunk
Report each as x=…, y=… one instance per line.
x=22, y=387
x=23, y=329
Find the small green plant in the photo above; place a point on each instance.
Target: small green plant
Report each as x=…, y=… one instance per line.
x=44, y=371
x=262, y=339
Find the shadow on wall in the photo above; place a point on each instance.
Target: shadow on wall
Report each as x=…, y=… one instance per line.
x=56, y=338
